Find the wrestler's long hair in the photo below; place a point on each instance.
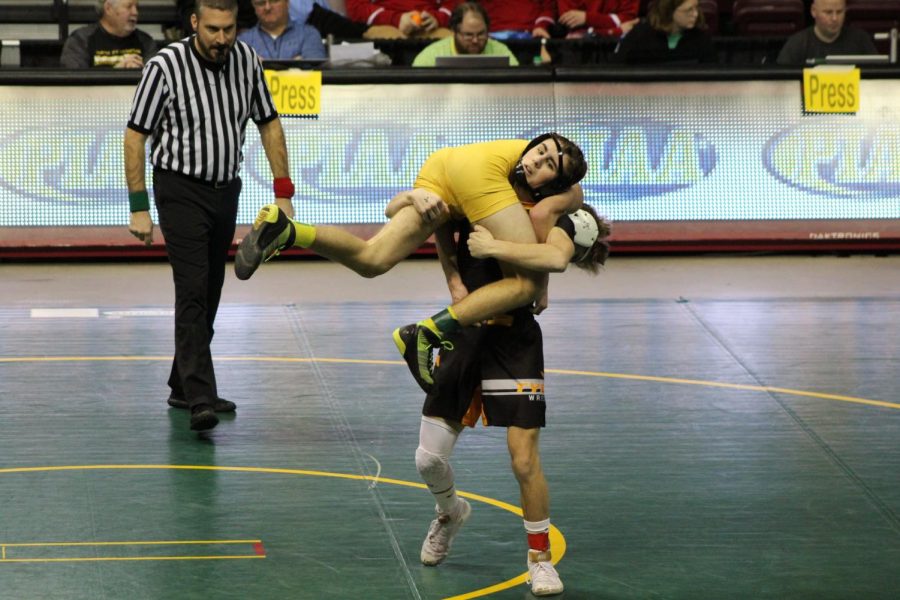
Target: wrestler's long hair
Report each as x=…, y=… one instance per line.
x=596, y=255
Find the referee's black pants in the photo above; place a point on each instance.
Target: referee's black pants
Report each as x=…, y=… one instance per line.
x=198, y=222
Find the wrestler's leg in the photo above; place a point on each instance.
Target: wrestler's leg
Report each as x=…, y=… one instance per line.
x=398, y=238
x=535, y=498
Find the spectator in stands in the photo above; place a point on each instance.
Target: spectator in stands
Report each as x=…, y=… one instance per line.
x=604, y=18
x=300, y=9
x=330, y=22
x=470, y=24
x=520, y=19
x=826, y=36
x=321, y=14
x=674, y=32
x=113, y=41
x=276, y=35
x=412, y=18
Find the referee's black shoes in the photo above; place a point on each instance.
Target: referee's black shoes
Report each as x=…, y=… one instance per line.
x=203, y=417
x=262, y=243
x=221, y=405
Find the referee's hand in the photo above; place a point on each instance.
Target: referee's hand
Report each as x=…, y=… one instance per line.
x=141, y=226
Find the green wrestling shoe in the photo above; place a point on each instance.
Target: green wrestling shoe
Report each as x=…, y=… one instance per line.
x=417, y=345
x=272, y=232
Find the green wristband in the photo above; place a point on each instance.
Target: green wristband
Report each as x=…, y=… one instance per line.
x=138, y=201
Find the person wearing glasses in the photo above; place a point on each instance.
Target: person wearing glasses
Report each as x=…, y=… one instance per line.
x=470, y=24
x=673, y=32
x=276, y=36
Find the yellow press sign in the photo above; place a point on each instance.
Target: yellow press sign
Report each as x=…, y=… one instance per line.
x=831, y=89
x=296, y=93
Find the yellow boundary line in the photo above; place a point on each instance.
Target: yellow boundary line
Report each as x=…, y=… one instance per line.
x=557, y=540
x=129, y=558
x=4, y=546
x=140, y=543
x=290, y=359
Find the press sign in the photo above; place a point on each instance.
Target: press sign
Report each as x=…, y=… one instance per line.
x=296, y=93
x=831, y=89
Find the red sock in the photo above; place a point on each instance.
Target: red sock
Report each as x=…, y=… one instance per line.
x=539, y=541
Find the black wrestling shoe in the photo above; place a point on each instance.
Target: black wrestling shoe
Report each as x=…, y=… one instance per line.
x=261, y=244
x=221, y=405
x=417, y=345
x=203, y=417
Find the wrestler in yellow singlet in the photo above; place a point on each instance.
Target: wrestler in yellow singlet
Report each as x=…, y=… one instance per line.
x=473, y=180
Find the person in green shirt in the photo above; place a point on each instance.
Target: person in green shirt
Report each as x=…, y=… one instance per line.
x=469, y=24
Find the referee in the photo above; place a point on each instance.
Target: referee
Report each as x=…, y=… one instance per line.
x=193, y=102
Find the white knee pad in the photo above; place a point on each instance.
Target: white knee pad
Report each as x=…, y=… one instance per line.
x=431, y=467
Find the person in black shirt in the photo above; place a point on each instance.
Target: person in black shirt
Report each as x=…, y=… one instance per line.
x=827, y=36
x=113, y=41
x=495, y=372
x=674, y=32
x=193, y=102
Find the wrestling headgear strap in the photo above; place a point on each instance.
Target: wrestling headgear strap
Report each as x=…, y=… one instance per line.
x=558, y=185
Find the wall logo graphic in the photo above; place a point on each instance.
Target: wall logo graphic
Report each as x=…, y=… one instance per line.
x=629, y=160
x=349, y=161
x=838, y=161
x=347, y=171
x=65, y=166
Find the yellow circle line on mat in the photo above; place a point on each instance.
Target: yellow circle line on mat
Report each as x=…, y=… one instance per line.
x=557, y=541
x=363, y=361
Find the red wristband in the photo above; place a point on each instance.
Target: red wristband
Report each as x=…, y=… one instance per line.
x=284, y=187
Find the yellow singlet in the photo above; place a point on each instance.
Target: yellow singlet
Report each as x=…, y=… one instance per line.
x=474, y=179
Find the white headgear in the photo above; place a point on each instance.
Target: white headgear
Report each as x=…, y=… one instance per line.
x=586, y=230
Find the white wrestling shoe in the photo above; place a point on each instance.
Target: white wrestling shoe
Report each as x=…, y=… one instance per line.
x=544, y=579
x=441, y=533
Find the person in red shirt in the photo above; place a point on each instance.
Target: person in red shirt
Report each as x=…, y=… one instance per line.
x=413, y=18
x=606, y=18
x=520, y=19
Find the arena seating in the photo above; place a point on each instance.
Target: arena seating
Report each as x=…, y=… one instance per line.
x=768, y=17
x=874, y=16
x=746, y=32
x=710, y=10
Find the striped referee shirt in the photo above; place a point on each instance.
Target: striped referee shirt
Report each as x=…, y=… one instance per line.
x=195, y=111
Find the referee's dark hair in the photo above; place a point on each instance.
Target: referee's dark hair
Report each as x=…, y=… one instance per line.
x=456, y=17
x=231, y=5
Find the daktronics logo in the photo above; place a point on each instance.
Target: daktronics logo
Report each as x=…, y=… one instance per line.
x=631, y=160
x=843, y=161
